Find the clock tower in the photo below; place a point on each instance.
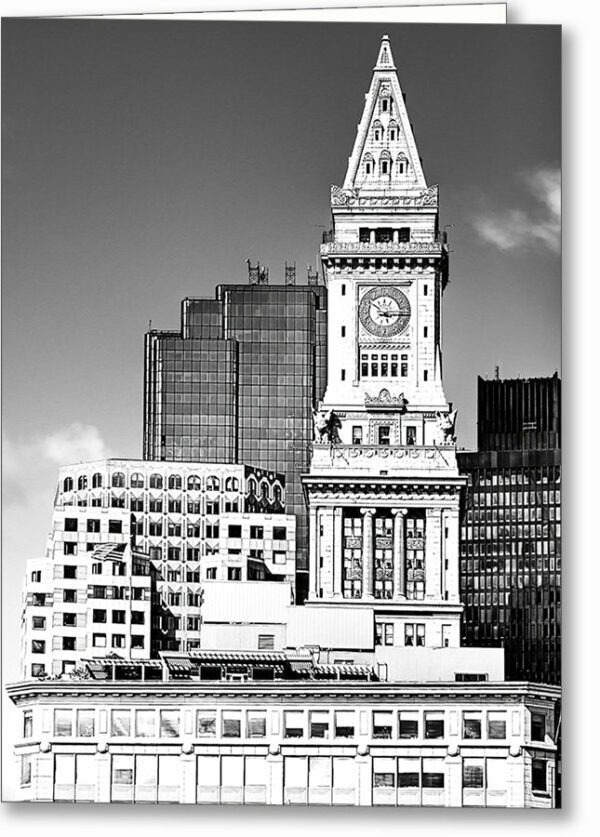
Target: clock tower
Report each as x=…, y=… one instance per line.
x=383, y=489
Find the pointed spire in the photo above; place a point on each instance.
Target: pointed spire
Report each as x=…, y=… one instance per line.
x=385, y=60
x=385, y=158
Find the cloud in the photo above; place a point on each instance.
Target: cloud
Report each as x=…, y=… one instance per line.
x=76, y=443
x=511, y=229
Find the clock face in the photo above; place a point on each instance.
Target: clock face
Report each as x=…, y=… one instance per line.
x=384, y=311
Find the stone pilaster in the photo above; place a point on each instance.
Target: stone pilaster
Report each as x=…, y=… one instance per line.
x=338, y=546
x=367, y=555
x=399, y=553
x=433, y=551
x=313, y=552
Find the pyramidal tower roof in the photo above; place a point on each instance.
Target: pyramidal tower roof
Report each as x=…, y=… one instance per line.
x=385, y=157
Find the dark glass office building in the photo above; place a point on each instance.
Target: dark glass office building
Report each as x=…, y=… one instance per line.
x=510, y=551
x=238, y=382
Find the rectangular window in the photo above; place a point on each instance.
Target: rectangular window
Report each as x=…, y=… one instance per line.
x=383, y=434
x=85, y=723
x=343, y=374
x=145, y=723
x=434, y=725
x=231, y=724
x=63, y=723
x=357, y=435
x=256, y=724
x=319, y=724
x=68, y=643
x=120, y=723
x=420, y=635
x=234, y=531
x=343, y=290
x=69, y=548
x=257, y=532
x=38, y=646
x=266, y=642
x=425, y=331
x=206, y=723
x=169, y=723
x=279, y=533
x=425, y=375
x=26, y=770
x=471, y=725
x=344, y=723
x=118, y=617
x=538, y=726
x=408, y=724
x=538, y=775
x=496, y=725
x=93, y=525
x=115, y=527
x=382, y=724
x=70, y=524
x=234, y=573
x=433, y=773
x=70, y=620
x=343, y=331
x=27, y=724
x=38, y=623
x=293, y=724
x=472, y=773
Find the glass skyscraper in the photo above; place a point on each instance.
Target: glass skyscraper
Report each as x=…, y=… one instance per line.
x=510, y=552
x=238, y=382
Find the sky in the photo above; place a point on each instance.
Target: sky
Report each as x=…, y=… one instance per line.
x=145, y=161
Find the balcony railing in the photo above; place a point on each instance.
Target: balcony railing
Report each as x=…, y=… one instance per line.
x=334, y=247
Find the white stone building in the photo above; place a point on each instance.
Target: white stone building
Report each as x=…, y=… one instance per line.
x=195, y=522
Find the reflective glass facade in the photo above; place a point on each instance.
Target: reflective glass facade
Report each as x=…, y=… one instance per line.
x=238, y=383
x=510, y=551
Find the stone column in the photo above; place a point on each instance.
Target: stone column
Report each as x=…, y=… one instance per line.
x=313, y=552
x=399, y=554
x=338, y=546
x=367, y=554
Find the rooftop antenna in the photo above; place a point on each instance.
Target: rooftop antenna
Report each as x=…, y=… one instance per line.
x=496, y=373
x=290, y=274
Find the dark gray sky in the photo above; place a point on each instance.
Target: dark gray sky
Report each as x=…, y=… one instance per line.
x=144, y=161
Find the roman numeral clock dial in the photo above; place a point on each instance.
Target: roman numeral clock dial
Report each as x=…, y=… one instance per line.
x=384, y=311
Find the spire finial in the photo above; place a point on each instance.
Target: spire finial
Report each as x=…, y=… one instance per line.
x=385, y=60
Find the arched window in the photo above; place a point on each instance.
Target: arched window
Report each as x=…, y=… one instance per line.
x=393, y=131
x=174, y=481
x=232, y=484
x=213, y=484
x=264, y=490
x=194, y=483
x=401, y=164
x=377, y=131
x=118, y=480
x=277, y=492
x=137, y=480
x=97, y=481
x=82, y=483
x=369, y=164
x=251, y=485
x=68, y=484
x=156, y=481
x=385, y=163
